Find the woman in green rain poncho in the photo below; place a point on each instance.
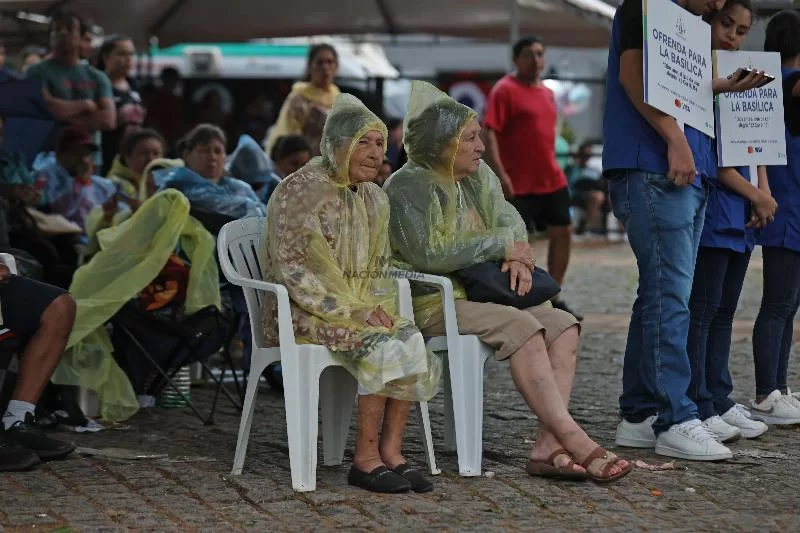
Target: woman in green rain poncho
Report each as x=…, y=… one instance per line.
x=448, y=213
x=327, y=242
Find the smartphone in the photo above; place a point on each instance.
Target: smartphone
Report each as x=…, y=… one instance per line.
x=770, y=79
x=743, y=73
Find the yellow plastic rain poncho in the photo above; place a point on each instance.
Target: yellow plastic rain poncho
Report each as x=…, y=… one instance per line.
x=440, y=224
x=303, y=113
x=132, y=254
x=327, y=241
x=133, y=186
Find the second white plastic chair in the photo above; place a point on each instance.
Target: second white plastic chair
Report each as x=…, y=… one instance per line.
x=465, y=359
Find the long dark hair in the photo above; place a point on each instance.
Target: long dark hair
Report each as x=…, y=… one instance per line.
x=200, y=135
x=107, y=47
x=783, y=34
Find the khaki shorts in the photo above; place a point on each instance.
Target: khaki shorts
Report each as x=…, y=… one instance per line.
x=506, y=329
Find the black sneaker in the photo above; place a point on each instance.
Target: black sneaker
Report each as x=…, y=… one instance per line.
x=15, y=458
x=561, y=304
x=30, y=437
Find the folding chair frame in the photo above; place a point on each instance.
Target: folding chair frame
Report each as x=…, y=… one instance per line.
x=176, y=365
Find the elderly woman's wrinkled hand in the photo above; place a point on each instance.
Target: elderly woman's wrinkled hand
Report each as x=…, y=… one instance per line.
x=522, y=252
x=521, y=276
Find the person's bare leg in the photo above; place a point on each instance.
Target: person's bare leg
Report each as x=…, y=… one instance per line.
x=558, y=251
x=534, y=378
x=563, y=356
x=367, y=456
x=395, y=419
x=44, y=349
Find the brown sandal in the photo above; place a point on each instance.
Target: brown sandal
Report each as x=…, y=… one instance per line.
x=608, y=460
x=548, y=468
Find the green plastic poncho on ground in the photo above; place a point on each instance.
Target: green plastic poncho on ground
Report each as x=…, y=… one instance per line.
x=132, y=255
x=327, y=242
x=440, y=224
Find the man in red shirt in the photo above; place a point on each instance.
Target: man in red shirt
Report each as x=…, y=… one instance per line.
x=521, y=120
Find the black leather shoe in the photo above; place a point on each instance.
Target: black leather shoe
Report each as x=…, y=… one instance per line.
x=419, y=483
x=379, y=480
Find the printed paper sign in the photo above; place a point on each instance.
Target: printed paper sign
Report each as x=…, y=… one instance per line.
x=750, y=129
x=677, y=64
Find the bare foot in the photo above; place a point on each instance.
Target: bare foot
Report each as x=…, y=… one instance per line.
x=603, y=465
x=544, y=447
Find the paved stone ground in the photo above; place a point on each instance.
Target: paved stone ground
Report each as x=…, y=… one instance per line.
x=192, y=489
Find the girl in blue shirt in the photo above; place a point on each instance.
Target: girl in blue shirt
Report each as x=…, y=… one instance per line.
x=780, y=241
x=734, y=211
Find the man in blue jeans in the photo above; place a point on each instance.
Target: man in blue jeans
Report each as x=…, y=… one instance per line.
x=655, y=174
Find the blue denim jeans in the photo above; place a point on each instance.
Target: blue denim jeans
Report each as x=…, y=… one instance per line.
x=718, y=279
x=772, y=334
x=664, y=223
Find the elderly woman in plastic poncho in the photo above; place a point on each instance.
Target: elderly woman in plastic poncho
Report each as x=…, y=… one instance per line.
x=327, y=242
x=448, y=213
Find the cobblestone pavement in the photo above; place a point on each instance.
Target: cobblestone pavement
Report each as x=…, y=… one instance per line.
x=192, y=489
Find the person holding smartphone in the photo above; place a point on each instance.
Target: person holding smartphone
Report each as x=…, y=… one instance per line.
x=780, y=241
x=736, y=210
x=656, y=173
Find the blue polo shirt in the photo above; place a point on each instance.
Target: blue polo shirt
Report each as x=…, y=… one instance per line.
x=727, y=215
x=629, y=142
x=784, y=181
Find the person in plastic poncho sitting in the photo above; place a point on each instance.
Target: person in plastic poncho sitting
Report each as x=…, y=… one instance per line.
x=203, y=180
x=250, y=164
x=326, y=240
x=448, y=213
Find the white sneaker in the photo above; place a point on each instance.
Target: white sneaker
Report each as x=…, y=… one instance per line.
x=692, y=441
x=776, y=409
x=793, y=397
x=639, y=435
x=725, y=432
x=738, y=416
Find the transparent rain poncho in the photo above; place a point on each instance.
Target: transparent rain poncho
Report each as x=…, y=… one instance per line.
x=229, y=196
x=439, y=224
x=132, y=254
x=250, y=164
x=327, y=241
x=303, y=113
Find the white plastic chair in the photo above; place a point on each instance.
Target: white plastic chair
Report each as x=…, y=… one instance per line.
x=305, y=377
x=465, y=361
x=9, y=261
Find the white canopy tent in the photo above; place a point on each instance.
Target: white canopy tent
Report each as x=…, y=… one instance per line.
x=558, y=22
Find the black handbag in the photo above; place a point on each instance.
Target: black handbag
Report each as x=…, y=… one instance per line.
x=487, y=283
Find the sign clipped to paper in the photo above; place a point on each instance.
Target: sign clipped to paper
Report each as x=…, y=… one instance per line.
x=677, y=64
x=750, y=128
